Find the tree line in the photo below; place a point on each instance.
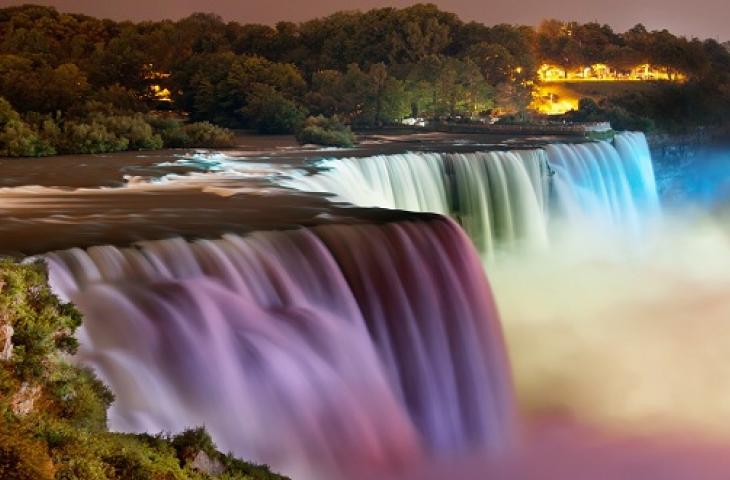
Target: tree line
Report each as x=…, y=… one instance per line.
x=367, y=68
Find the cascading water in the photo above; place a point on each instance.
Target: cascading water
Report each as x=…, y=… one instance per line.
x=322, y=351
x=600, y=183
x=360, y=350
x=505, y=198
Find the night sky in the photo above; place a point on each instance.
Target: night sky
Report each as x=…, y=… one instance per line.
x=703, y=18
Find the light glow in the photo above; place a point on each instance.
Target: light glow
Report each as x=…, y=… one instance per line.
x=601, y=72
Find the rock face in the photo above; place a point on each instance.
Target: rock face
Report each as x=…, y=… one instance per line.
x=204, y=464
x=6, y=342
x=24, y=400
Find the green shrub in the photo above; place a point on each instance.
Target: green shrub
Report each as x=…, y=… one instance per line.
x=7, y=112
x=192, y=441
x=205, y=135
x=23, y=458
x=170, y=130
x=135, y=129
x=326, y=131
x=621, y=119
x=18, y=139
x=91, y=138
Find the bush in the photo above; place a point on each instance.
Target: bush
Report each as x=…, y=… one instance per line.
x=205, y=135
x=621, y=119
x=98, y=127
x=18, y=139
x=134, y=128
x=91, y=138
x=23, y=458
x=326, y=131
x=7, y=112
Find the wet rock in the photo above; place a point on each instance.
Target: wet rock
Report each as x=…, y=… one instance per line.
x=204, y=464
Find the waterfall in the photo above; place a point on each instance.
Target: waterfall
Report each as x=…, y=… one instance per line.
x=604, y=184
x=320, y=351
x=505, y=199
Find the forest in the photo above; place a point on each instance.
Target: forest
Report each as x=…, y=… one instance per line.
x=76, y=84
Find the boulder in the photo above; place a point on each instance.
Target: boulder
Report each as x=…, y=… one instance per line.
x=204, y=464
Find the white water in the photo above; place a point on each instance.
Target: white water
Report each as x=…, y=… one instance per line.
x=506, y=199
x=351, y=351
x=328, y=351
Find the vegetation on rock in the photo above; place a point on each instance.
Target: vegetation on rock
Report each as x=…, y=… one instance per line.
x=330, y=131
x=53, y=421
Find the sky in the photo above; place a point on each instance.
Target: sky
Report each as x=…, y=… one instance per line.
x=701, y=18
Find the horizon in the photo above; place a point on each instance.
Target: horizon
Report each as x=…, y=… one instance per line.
x=675, y=16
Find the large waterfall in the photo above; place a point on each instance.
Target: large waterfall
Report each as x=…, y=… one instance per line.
x=504, y=198
x=328, y=350
x=359, y=349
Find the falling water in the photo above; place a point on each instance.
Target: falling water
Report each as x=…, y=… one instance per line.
x=362, y=350
x=600, y=183
x=505, y=199
x=329, y=350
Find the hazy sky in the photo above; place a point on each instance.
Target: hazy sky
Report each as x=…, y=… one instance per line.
x=703, y=18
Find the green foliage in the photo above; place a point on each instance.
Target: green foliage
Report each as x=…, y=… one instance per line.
x=369, y=68
x=23, y=458
x=176, y=134
x=326, y=131
x=7, y=113
x=63, y=434
x=98, y=127
x=134, y=129
x=188, y=443
x=268, y=111
x=230, y=90
x=91, y=137
x=120, y=99
x=206, y=135
x=17, y=139
x=38, y=318
x=620, y=118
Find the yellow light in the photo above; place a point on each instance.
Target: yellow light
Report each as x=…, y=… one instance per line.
x=553, y=100
x=602, y=72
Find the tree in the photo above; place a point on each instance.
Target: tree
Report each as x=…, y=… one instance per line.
x=420, y=31
x=495, y=62
x=269, y=111
x=64, y=86
x=513, y=98
x=326, y=94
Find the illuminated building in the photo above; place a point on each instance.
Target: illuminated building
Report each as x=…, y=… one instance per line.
x=602, y=72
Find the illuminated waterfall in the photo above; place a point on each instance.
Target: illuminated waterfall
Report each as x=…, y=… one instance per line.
x=319, y=351
x=504, y=198
x=601, y=183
